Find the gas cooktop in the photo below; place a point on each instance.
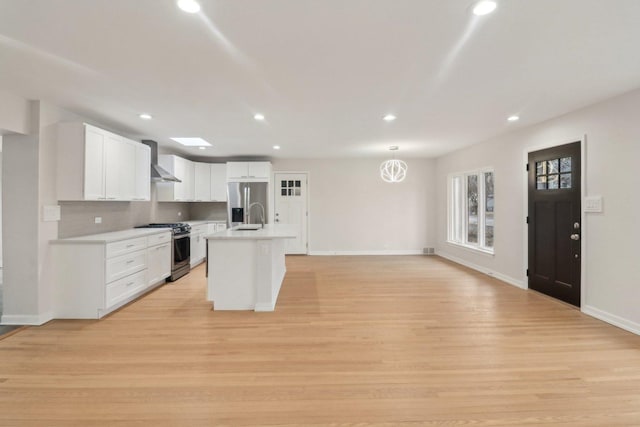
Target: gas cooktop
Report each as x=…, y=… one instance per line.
x=177, y=227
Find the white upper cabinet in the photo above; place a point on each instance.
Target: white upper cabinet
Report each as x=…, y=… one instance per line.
x=218, y=182
x=94, y=164
x=182, y=169
x=143, y=173
x=188, y=187
x=202, y=182
x=248, y=171
x=124, y=165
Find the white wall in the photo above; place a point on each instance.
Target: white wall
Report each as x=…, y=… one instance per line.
x=353, y=211
x=29, y=184
x=14, y=114
x=610, y=275
x=0, y=210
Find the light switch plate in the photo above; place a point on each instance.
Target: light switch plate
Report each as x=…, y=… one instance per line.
x=98, y=220
x=593, y=204
x=51, y=213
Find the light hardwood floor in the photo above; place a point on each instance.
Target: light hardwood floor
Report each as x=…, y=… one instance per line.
x=366, y=341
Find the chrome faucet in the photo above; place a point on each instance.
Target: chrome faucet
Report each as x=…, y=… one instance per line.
x=261, y=216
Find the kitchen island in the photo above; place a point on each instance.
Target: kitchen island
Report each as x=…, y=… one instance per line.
x=246, y=267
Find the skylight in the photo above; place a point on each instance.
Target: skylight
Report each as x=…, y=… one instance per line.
x=192, y=142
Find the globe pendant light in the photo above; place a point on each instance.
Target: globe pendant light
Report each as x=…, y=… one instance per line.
x=393, y=170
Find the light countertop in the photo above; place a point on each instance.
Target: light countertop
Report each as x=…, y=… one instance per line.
x=206, y=221
x=270, y=231
x=113, y=236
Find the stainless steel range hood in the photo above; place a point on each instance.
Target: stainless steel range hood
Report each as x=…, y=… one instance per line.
x=158, y=173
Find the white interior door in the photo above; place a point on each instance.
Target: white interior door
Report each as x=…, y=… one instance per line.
x=291, y=201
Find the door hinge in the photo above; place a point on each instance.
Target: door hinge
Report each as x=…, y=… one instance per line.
x=527, y=220
x=527, y=167
x=527, y=272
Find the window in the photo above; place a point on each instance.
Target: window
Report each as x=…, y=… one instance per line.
x=553, y=174
x=471, y=204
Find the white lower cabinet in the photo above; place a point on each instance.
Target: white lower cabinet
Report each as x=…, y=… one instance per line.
x=121, y=290
x=94, y=276
x=159, y=262
x=198, y=244
x=214, y=227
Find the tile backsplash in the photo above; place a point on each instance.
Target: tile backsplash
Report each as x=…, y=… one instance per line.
x=78, y=218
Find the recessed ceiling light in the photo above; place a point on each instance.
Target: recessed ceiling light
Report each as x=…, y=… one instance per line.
x=484, y=7
x=276, y=147
x=513, y=118
x=202, y=148
x=146, y=116
x=192, y=142
x=389, y=118
x=189, y=6
x=259, y=117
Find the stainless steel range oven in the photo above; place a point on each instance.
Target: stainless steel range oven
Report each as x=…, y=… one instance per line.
x=180, y=250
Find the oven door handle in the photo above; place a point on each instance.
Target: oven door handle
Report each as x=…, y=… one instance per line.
x=181, y=236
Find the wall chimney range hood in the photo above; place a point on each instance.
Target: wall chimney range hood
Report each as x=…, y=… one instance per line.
x=158, y=173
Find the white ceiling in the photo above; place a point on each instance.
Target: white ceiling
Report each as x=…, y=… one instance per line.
x=323, y=72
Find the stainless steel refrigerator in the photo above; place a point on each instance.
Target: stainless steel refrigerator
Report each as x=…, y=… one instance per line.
x=247, y=203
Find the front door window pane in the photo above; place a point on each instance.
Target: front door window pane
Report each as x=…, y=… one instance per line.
x=472, y=208
x=541, y=183
x=553, y=174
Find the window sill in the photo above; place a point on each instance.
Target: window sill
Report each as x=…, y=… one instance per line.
x=470, y=248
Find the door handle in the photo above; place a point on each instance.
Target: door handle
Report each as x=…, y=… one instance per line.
x=575, y=237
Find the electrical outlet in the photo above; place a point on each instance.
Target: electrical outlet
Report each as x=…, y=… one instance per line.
x=51, y=213
x=98, y=220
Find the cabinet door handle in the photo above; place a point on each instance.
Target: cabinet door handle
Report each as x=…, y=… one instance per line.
x=130, y=283
x=130, y=245
x=130, y=261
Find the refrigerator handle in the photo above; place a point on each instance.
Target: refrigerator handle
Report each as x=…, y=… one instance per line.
x=248, y=204
x=244, y=207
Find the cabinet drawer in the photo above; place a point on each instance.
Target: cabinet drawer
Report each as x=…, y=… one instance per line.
x=126, y=246
x=124, y=288
x=125, y=265
x=199, y=229
x=158, y=239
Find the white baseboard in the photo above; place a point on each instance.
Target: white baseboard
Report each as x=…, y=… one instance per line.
x=26, y=319
x=265, y=307
x=383, y=252
x=612, y=319
x=503, y=277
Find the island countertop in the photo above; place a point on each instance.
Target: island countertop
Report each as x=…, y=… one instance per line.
x=268, y=232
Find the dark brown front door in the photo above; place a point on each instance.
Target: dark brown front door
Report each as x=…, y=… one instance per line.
x=554, y=222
